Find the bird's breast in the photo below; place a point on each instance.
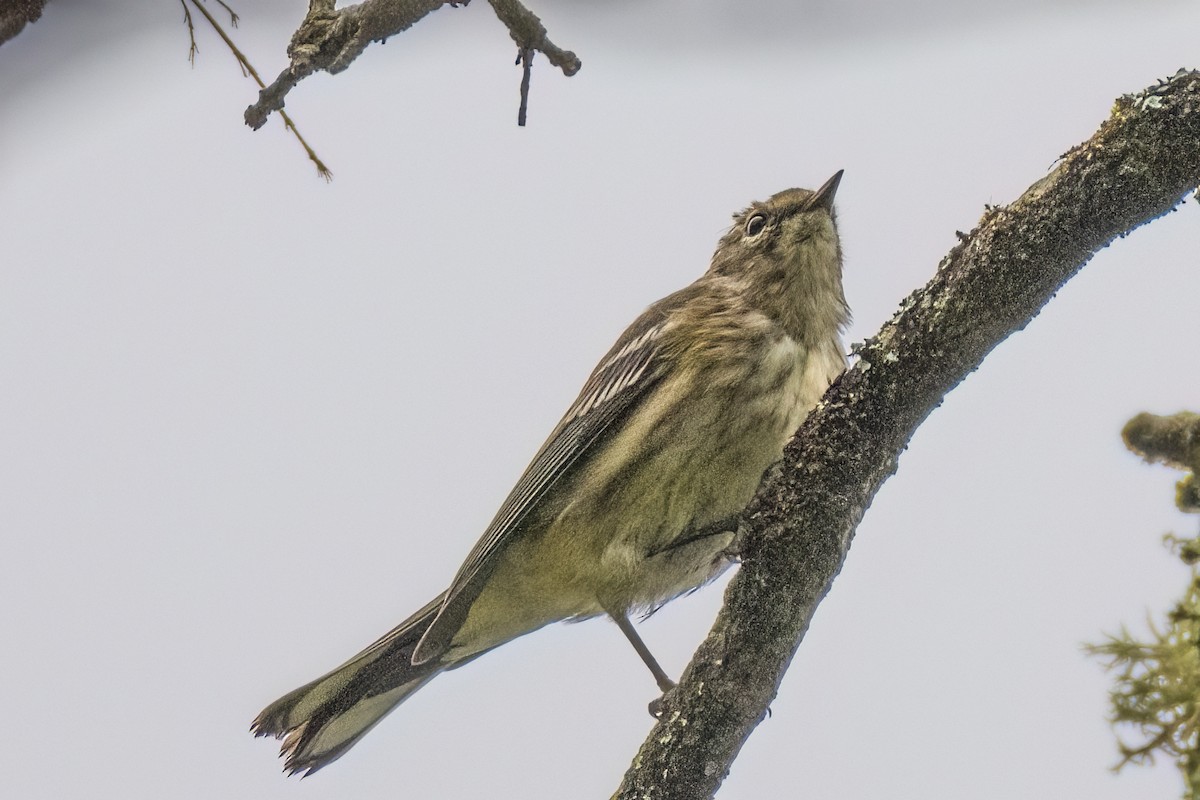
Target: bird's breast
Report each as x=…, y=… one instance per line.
x=692, y=456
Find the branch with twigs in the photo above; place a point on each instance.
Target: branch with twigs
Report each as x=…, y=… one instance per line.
x=796, y=533
x=246, y=67
x=330, y=38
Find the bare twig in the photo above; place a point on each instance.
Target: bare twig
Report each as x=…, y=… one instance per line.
x=233, y=17
x=330, y=38
x=525, y=59
x=249, y=71
x=530, y=35
x=193, y=48
x=797, y=531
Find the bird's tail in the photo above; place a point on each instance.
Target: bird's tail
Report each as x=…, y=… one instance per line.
x=322, y=720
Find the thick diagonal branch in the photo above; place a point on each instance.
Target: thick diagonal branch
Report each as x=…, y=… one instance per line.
x=331, y=38
x=798, y=530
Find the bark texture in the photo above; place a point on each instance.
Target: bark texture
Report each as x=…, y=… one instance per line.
x=16, y=14
x=797, y=532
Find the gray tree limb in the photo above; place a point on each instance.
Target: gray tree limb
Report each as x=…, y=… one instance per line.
x=16, y=14
x=331, y=38
x=797, y=532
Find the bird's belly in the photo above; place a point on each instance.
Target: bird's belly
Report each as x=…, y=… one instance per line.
x=659, y=512
x=643, y=522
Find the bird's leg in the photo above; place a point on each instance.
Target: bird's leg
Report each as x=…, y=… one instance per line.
x=665, y=684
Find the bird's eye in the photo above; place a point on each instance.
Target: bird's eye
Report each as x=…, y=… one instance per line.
x=755, y=225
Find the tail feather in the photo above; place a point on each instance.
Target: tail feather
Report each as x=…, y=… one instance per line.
x=322, y=720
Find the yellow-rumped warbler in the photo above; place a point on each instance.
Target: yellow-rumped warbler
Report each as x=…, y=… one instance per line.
x=635, y=497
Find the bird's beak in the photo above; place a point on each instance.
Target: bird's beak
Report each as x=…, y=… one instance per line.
x=823, y=197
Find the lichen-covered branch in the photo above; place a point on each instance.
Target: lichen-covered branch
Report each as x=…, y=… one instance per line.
x=16, y=14
x=1156, y=693
x=797, y=532
x=1174, y=441
x=331, y=38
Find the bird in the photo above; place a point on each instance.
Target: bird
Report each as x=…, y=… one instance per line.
x=634, y=498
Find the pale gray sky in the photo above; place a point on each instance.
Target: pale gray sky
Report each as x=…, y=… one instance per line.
x=250, y=420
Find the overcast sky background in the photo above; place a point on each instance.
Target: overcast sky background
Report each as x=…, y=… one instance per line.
x=251, y=420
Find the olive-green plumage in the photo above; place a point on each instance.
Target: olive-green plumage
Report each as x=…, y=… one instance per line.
x=634, y=497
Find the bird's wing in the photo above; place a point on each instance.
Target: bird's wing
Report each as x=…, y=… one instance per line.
x=631, y=369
